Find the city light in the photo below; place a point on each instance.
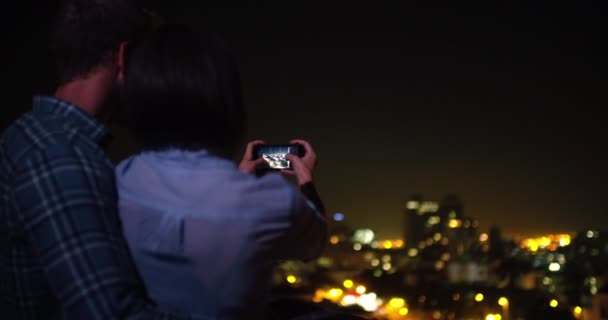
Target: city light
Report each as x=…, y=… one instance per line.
x=396, y=303
x=412, y=205
x=412, y=252
x=483, y=237
x=433, y=220
x=348, y=300
x=429, y=206
x=360, y=289
x=553, y=303
x=550, y=242
x=404, y=311
x=554, y=267
x=369, y=302
x=490, y=317
x=479, y=297
x=348, y=283
x=439, y=265
x=577, y=312
x=363, y=236
x=387, y=244
x=503, y=301
x=319, y=295
x=338, y=216
x=334, y=239
x=334, y=293
x=544, y=242
x=456, y=296
x=357, y=246
x=454, y=223
x=291, y=279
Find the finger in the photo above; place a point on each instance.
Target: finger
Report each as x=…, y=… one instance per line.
x=249, y=150
x=258, y=162
x=288, y=172
x=295, y=160
x=302, y=172
x=309, y=149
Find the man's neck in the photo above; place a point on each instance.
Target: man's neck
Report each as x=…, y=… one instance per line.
x=86, y=93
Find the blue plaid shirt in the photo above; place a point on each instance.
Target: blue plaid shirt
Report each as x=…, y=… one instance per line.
x=62, y=253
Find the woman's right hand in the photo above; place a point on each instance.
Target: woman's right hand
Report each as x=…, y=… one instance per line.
x=303, y=168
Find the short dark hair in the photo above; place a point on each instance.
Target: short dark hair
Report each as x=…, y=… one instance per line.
x=87, y=33
x=182, y=90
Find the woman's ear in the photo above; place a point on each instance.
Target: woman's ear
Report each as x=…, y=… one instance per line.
x=121, y=62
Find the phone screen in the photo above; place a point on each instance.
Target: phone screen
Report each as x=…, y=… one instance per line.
x=275, y=156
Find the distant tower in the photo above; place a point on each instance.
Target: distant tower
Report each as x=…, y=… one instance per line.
x=413, y=231
x=451, y=207
x=421, y=220
x=459, y=229
x=497, y=245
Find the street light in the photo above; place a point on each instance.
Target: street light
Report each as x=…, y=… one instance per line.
x=504, y=303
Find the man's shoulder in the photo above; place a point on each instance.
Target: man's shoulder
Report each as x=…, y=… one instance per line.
x=33, y=134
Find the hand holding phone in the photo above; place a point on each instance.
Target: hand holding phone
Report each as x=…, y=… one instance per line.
x=275, y=155
x=303, y=167
x=249, y=163
x=297, y=158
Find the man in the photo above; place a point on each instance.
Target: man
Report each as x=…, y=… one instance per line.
x=62, y=254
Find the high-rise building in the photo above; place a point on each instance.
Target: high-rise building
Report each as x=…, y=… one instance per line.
x=429, y=222
x=421, y=220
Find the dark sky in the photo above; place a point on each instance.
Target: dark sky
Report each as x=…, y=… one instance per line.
x=501, y=105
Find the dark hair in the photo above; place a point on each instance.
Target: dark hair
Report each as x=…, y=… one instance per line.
x=182, y=91
x=87, y=33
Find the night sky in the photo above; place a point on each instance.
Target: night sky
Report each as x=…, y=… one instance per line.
x=499, y=105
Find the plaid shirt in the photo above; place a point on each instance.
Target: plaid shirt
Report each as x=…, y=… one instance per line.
x=62, y=253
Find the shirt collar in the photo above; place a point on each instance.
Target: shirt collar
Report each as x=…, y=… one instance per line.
x=75, y=117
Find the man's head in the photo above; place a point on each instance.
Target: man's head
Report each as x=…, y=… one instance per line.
x=87, y=36
x=183, y=91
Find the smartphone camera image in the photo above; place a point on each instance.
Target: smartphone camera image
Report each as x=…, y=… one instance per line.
x=275, y=155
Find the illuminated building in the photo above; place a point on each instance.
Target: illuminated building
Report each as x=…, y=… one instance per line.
x=467, y=272
x=415, y=220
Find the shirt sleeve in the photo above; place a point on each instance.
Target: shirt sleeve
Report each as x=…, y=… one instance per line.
x=307, y=234
x=68, y=207
x=309, y=190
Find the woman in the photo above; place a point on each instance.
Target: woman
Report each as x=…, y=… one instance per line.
x=204, y=233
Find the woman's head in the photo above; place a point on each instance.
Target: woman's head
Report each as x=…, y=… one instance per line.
x=183, y=91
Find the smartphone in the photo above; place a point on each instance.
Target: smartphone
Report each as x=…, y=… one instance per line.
x=274, y=155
